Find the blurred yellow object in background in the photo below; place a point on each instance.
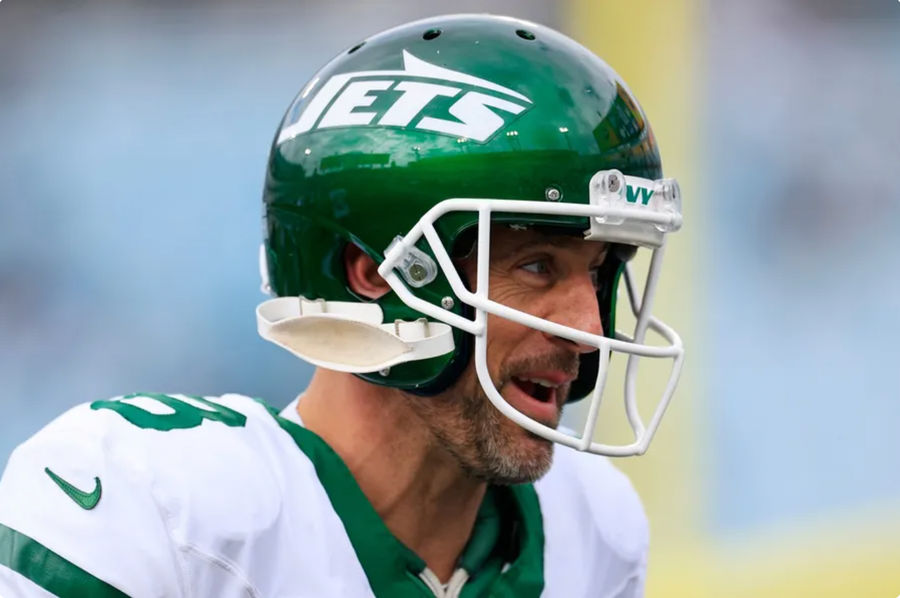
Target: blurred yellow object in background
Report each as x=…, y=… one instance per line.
x=658, y=46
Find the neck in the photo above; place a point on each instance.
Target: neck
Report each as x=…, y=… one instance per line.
x=415, y=485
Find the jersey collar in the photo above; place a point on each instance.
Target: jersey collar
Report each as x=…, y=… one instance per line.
x=504, y=554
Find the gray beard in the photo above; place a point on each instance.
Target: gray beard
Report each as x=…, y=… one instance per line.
x=483, y=447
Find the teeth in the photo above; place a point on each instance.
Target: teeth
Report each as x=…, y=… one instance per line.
x=546, y=383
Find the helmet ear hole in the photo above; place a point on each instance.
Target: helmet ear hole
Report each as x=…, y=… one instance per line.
x=362, y=273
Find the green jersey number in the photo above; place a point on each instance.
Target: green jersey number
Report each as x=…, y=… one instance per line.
x=184, y=414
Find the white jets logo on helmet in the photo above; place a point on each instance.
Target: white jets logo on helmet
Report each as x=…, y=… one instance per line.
x=473, y=115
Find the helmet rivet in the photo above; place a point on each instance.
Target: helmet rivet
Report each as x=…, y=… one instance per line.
x=384, y=372
x=417, y=272
x=613, y=183
x=447, y=303
x=552, y=193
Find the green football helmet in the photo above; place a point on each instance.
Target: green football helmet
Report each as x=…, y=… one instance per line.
x=410, y=145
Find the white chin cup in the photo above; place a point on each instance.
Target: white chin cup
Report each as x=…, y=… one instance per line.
x=347, y=336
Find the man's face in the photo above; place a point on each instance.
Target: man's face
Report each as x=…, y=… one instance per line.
x=548, y=276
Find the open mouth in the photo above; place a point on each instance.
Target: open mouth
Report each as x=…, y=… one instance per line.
x=540, y=390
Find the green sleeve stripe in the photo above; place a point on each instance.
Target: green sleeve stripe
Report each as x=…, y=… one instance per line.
x=33, y=560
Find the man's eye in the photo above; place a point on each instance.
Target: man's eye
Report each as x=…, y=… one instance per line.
x=536, y=267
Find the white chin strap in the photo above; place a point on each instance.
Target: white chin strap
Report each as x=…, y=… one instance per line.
x=349, y=337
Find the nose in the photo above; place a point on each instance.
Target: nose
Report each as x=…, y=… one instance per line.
x=574, y=303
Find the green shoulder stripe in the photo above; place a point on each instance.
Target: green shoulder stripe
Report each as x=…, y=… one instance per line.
x=390, y=566
x=392, y=569
x=47, y=569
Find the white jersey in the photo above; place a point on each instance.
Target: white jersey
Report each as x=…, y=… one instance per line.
x=177, y=496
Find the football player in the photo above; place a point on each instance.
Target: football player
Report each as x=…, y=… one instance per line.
x=451, y=206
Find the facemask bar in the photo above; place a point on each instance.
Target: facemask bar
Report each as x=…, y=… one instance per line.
x=641, y=308
x=634, y=347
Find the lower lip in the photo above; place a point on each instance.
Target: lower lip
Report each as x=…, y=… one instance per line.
x=546, y=413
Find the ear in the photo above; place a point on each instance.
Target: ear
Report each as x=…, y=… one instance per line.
x=362, y=273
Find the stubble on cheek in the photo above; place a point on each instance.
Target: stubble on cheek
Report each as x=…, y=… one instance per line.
x=485, y=444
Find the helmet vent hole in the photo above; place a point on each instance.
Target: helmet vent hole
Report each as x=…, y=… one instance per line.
x=431, y=34
x=356, y=47
x=525, y=34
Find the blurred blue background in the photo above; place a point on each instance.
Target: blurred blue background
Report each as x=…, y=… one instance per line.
x=133, y=142
x=804, y=257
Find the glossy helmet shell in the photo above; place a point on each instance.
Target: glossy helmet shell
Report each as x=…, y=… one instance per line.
x=345, y=168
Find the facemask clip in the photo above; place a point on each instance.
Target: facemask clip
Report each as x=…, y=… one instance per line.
x=416, y=267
